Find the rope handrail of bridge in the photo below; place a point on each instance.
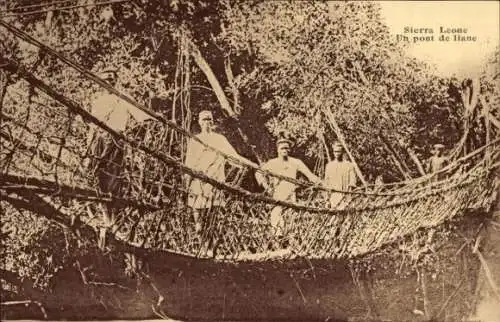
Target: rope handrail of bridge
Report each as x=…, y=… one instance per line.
x=241, y=223
x=10, y=182
x=314, y=242
x=17, y=183
x=201, y=175
x=158, y=117
x=451, y=166
x=165, y=158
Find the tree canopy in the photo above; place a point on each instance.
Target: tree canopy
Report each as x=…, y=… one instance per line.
x=282, y=73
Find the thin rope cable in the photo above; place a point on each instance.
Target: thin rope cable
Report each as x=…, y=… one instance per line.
x=12, y=182
x=64, y=8
x=46, y=4
x=158, y=117
x=200, y=175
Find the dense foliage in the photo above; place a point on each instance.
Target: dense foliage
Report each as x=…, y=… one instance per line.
x=282, y=65
x=276, y=72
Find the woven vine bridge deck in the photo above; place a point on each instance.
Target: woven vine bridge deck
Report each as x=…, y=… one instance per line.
x=45, y=151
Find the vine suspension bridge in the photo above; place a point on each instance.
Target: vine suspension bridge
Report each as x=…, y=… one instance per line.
x=44, y=169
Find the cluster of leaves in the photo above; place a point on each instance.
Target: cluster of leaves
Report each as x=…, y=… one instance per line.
x=336, y=56
x=490, y=84
x=28, y=245
x=489, y=81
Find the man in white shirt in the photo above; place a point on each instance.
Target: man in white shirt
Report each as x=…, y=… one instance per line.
x=107, y=154
x=201, y=195
x=340, y=174
x=113, y=110
x=283, y=190
x=437, y=162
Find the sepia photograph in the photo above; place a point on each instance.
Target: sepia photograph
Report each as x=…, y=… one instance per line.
x=249, y=160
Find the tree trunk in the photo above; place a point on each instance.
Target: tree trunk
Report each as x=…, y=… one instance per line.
x=234, y=89
x=487, y=126
x=4, y=81
x=395, y=158
x=219, y=92
x=336, y=129
x=212, y=79
x=489, y=120
x=415, y=159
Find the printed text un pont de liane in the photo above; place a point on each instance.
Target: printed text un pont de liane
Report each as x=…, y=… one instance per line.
x=444, y=34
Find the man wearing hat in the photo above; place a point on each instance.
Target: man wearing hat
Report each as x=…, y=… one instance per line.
x=107, y=155
x=111, y=109
x=340, y=175
x=203, y=196
x=437, y=161
x=283, y=190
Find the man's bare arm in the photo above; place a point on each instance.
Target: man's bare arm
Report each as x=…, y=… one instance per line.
x=308, y=173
